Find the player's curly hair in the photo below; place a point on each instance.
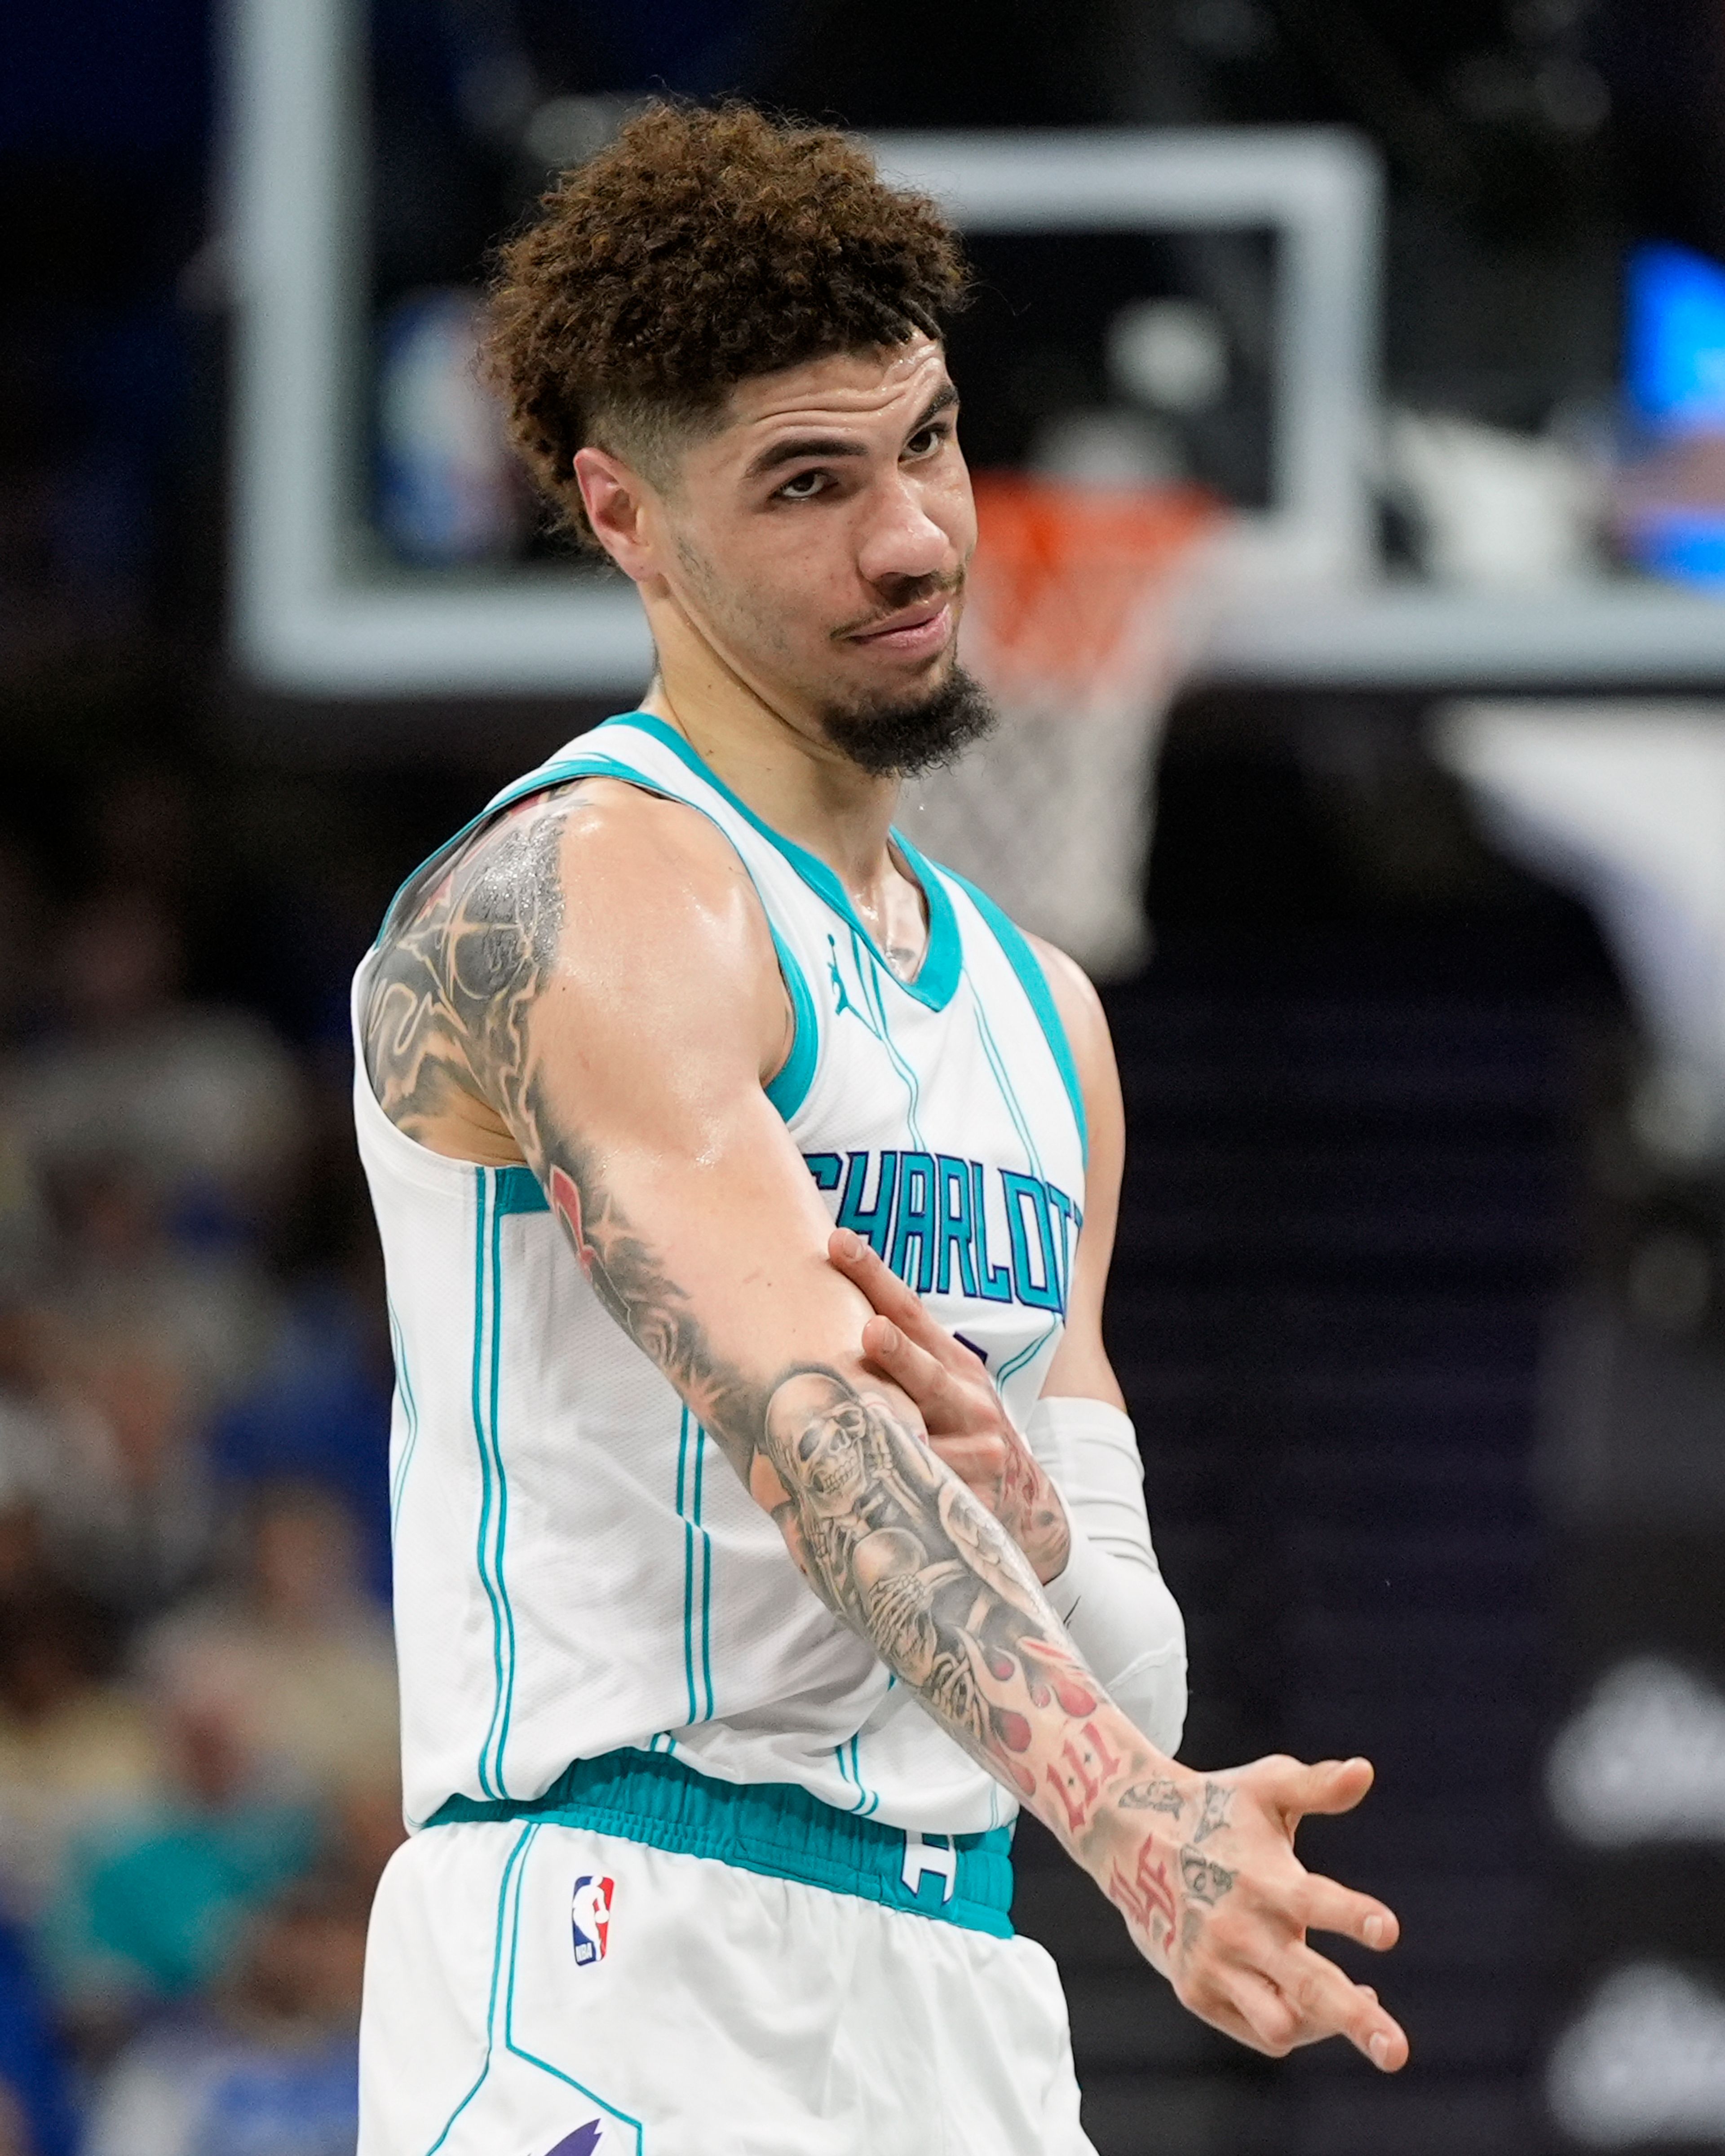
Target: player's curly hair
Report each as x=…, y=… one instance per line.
x=704, y=245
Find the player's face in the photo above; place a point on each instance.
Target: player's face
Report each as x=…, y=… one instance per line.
x=819, y=540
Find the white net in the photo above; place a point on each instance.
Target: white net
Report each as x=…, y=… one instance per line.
x=1087, y=608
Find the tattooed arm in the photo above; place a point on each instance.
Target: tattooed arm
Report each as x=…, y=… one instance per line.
x=593, y=984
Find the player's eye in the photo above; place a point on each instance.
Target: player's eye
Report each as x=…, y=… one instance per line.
x=927, y=439
x=806, y=487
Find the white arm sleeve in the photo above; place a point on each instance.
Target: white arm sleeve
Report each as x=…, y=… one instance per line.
x=1111, y=1597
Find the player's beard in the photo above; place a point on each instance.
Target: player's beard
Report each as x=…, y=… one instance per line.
x=900, y=737
x=889, y=737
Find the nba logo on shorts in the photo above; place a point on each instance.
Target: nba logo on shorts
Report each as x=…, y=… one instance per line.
x=590, y=1918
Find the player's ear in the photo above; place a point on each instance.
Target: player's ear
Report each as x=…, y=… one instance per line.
x=614, y=497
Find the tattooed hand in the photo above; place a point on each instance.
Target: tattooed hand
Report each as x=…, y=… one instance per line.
x=967, y=1424
x=1202, y=1868
x=1228, y=1920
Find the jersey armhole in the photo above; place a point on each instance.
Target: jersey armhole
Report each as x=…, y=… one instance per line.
x=1024, y=962
x=788, y=1086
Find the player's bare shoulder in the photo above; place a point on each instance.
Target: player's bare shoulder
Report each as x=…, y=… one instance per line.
x=586, y=888
x=1087, y=1023
x=1075, y=999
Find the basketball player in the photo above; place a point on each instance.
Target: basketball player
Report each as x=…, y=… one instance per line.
x=768, y=1526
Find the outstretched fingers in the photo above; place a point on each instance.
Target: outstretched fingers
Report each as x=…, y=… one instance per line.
x=1327, y=2003
x=1329, y=1907
x=1246, y=1966
x=1297, y=1999
x=1292, y=1790
x=1217, y=2007
x=1268, y=2023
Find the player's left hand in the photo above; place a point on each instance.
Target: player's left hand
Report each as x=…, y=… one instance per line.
x=1226, y=1906
x=963, y=1412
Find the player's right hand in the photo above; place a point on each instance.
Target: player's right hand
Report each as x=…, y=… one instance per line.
x=1215, y=1897
x=962, y=1410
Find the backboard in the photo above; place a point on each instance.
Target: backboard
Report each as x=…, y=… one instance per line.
x=1198, y=303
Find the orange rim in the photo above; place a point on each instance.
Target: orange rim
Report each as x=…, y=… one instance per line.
x=1063, y=572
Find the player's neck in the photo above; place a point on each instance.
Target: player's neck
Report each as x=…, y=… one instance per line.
x=779, y=764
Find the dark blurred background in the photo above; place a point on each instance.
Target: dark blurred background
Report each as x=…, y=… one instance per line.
x=1417, y=1302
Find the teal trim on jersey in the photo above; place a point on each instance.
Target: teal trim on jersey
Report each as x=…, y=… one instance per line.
x=536, y=781
x=868, y=1800
x=518, y=1190
x=943, y=961
x=873, y=1796
x=789, y=1090
x=1008, y=1091
x=777, y=1829
x=521, y=1841
x=868, y=978
x=494, y=1486
x=688, y=1566
x=697, y=1543
x=482, y=1189
x=1034, y=981
x=404, y=1384
x=945, y=955
x=843, y=1763
x=1011, y=1369
x=871, y=989
x=1015, y=1108
x=532, y=2058
x=506, y=1699
x=706, y=1572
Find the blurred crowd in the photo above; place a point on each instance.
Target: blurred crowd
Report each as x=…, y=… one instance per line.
x=199, y=1781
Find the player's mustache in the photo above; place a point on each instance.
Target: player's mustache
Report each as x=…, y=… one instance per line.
x=917, y=595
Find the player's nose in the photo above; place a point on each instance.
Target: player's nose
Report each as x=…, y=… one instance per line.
x=901, y=543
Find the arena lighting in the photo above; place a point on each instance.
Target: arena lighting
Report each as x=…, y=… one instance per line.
x=1644, y=2062
x=1643, y=1760
x=313, y=615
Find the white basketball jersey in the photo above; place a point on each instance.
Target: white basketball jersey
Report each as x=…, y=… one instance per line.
x=576, y=1567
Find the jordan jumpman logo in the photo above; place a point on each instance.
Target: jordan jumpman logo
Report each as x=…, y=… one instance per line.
x=843, y=1005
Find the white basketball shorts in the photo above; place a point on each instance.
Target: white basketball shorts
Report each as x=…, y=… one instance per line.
x=535, y=1987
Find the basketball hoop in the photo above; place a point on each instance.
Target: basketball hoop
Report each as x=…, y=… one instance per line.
x=1086, y=607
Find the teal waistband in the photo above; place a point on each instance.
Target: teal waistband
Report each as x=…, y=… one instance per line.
x=775, y=1828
